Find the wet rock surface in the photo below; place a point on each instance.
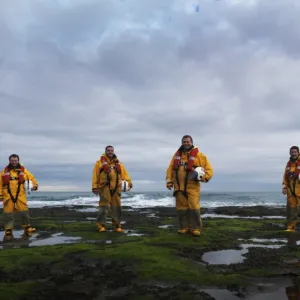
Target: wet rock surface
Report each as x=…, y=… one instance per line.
x=85, y=279
x=250, y=211
x=94, y=279
x=124, y=266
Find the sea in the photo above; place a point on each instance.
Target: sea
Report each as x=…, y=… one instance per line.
x=152, y=199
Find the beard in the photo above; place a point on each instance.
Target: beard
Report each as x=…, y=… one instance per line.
x=186, y=148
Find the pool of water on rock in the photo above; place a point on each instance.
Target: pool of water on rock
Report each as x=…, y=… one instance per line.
x=36, y=239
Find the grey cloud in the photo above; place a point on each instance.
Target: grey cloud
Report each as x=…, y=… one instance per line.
x=276, y=25
x=140, y=75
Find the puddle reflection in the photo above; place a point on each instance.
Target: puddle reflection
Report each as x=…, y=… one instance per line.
x=21, y=240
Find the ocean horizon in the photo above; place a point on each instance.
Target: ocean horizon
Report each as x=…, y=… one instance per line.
x=151, y=199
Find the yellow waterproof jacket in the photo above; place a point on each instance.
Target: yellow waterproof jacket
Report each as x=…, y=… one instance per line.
x=193, y=186
x=101, y=179
x=13, y=185
x=290, y=184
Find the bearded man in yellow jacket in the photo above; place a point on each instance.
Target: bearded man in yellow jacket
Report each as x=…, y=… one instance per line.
x=187, y=168
x=110, y=178
x=291, y=188
x=12, y=192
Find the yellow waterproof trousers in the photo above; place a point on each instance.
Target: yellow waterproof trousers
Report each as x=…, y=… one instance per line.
x=188, y=210
x=107, y=199
x=292, y=207
x=9, y=208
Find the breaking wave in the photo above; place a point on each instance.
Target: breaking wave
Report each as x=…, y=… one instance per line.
x=152, y=199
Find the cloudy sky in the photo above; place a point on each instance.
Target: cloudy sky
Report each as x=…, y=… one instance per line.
x=139, y=74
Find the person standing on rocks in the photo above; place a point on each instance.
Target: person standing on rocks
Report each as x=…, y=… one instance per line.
x=186, y=170
x=13, y=194
x=110, y=179
x=291, y=188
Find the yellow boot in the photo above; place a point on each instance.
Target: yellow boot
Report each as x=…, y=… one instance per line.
x=29, y=230
x=184, y=230
x=196, y=232
x=118, y=228
x=290, y=230
x=101, y=227
x=8, y=235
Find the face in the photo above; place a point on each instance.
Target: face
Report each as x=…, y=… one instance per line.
x=110, y=152
x=13, y=161
x=187, y=143
x=294, y=153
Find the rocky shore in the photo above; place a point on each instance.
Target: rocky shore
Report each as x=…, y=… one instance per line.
x=242, y=253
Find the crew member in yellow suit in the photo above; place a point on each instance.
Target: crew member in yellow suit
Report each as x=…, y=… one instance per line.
x=108, y=176
x=12, y=192
x=291, y=188
x=181, y=176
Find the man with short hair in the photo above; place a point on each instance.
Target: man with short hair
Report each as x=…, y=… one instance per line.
x=108, y=175
x=13, y=194
x=187, y=168
x=291, y=188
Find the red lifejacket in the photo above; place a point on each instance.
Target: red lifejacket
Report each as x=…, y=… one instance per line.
x=296, y=173
x=6, y=176
x=105, y=164
x=177, y=160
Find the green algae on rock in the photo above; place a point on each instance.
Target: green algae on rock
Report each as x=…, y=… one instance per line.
x=157, y=264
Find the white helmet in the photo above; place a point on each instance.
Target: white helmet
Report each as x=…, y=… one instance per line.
x=28, y=185
x=197, y=174
x=125, y=186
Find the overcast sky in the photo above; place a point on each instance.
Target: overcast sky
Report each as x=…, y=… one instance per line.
x=139, y=74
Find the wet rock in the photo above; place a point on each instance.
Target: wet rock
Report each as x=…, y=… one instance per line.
x=3, y=275
x=83, y=280
x=30, y=272
x=180, y=291
x=75, y=276
x=250, y=211
x=163, y=212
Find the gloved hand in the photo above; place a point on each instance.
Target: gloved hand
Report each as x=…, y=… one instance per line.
x=284, y=190
x=95, y=191
x=130, y=185
x=169, y=185
x=203, y=179
x=34, y=188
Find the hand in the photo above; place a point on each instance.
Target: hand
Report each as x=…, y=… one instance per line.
x=1, y=198
x=203, y=179
x=95, y=191
x=169, y=185
x=130, y=185
x=34, y=188
x=284, y=190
